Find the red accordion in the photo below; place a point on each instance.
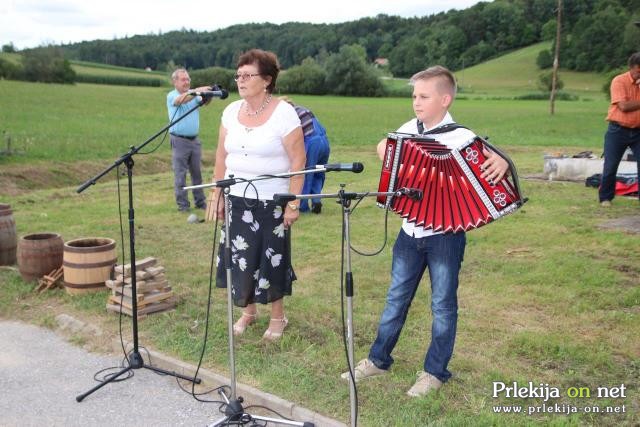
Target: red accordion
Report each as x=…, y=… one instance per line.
x=455, y=198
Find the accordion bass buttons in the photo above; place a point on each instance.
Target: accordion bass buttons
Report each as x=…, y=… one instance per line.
x=472, y=155
x=499, y=198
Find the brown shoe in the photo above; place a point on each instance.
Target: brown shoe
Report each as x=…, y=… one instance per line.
x=425, y=384
x=245, y=320
x=276, y=329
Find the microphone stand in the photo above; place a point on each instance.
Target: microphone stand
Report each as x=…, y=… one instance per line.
x=344, y=199
x=234, y=412
x=134, y=358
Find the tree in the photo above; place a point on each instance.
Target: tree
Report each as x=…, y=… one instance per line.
x=308, y=78
x=9, y=70
x=544, y=59
x=48, y=65
x=545, y=81
x=348, y=73
x=222, y=77
x=597, y=41
x=9, y=48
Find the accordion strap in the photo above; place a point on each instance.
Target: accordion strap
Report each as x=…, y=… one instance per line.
x=440, y=129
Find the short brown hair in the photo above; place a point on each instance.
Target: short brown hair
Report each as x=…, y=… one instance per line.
x=266, y=61
x=446, y=79
x=634, y=59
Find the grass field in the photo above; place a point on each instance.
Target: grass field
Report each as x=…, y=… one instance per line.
x=546, y=295
x=84, y=68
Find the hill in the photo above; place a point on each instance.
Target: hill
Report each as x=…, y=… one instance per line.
x=514, y=74
x=517, y=73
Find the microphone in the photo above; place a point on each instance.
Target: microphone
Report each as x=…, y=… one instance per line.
x=356, y=167
x=222, y=94
x=412, y=193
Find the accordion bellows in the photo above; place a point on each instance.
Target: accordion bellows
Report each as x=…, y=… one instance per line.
x=455, y=198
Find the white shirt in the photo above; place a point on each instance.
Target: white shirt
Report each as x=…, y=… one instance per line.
x=258, y=151
x=453, y=140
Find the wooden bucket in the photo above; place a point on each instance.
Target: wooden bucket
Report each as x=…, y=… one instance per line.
x=88, y=263
x=8, y=236
x=39, y=254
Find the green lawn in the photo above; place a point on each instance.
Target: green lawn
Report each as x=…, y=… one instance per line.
x=546, y=295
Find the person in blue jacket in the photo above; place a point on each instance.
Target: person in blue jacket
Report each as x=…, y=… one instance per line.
x=316, y=145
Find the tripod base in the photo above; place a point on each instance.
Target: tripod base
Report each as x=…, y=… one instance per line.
x=236, y=415
x=135, y=362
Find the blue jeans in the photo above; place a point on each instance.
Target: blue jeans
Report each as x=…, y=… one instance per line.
x=442, y=254
x=616, y=141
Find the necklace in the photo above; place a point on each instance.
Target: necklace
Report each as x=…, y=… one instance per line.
x=266, y=102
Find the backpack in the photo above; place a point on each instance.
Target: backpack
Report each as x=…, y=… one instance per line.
x=626, y=183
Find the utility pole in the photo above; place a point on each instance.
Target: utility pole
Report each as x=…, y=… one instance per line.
x=556, y=61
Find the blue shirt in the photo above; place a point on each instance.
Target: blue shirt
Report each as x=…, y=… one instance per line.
x=190, y=125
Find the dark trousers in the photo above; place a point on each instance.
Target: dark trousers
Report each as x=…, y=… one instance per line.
x=186, y=157
x=616, y=140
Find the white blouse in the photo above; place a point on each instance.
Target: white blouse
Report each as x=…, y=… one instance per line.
x=258, y=150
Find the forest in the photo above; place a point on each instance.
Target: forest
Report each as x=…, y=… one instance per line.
x=597, y=35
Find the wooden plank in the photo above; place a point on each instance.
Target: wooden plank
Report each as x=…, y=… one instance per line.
x=127, y=280
x=140, y=289
x=142, y=312
x=159, y=278
x=117, y=308
x=128, y=292
x=140, y=265
x=50, y=280
x=146, y=299
x=154, y=271
x=113, y=284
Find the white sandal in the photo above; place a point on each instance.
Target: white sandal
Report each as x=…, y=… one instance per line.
x=241, y=325
x=276, y=329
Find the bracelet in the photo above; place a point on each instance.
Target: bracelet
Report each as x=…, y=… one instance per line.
x=292, y=206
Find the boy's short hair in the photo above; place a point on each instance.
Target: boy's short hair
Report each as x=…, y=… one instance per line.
x=446, y=79
x=634, y=59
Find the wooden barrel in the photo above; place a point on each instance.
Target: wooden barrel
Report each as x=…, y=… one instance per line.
x=8, y=236
x=39, y=254
x=88, y=263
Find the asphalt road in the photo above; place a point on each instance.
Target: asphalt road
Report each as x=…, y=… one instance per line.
x=41, y=374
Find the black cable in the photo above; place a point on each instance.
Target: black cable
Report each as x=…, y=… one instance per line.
x=384, y=241
x=207, y=316
x=164, y=137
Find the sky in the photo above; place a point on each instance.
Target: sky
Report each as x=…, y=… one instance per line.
x=32, y=23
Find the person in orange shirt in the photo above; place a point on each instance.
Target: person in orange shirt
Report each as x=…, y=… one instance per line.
x=624, y=127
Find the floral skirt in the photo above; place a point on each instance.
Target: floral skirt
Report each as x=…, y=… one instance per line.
x=261, y=269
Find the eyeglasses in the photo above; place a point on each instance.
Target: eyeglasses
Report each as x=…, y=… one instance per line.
x=245, y=76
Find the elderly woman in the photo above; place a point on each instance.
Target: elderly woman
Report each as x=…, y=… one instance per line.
x=259, y=135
